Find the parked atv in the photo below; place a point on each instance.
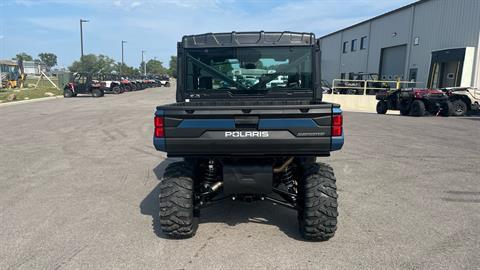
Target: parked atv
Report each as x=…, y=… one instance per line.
x=414, y=102
x=241, y=146
x=82, y=83
x=464, y=100
x=110, y=82
x=165, y=80
x=126, y=84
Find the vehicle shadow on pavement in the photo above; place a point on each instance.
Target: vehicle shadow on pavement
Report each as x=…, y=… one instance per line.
x=225, y=212
x=149, y=205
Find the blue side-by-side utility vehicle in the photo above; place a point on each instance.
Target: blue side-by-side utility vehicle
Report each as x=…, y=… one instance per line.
x=249, y=123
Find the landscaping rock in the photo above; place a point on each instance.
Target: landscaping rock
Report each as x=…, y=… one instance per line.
x=11, y=97
x=49, y=94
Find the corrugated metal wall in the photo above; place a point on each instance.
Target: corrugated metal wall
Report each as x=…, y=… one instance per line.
x=354, y=61
x=437, y=24
x=331, y=53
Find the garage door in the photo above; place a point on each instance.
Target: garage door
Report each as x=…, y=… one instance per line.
x=392, y=63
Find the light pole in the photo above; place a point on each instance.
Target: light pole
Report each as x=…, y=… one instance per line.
x=121, y=67
x=81, y=38
x=144, y=65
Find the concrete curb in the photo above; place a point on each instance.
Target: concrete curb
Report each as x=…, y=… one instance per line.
x=28, y=101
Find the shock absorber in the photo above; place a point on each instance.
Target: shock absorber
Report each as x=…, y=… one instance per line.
x=210, y=177
x=288, y=180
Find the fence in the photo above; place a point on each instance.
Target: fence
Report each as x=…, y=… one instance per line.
x=366, y=87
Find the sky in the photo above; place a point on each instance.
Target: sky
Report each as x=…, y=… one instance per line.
x=36, y=26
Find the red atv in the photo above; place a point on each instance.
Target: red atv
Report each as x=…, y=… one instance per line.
x=414, y=102
x=82, y=83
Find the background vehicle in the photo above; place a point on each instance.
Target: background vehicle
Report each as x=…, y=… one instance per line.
x=358, y=84
x=414, y=102
x=165, y=80
x=12, y=74
x=464, y=100
x=110, y=82
x=82, y=83
x=126, y=84
x=326, y=87
x=138, y=84
x=376, y=83
x=249, y=142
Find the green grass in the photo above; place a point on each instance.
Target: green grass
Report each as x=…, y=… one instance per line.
x=44, y=83
x=28, y=93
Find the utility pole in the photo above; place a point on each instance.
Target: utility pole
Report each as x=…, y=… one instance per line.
x=81, y=38
x=121, y=67
x=144, y=65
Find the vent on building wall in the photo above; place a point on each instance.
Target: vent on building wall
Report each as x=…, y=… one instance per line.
x=416, y=41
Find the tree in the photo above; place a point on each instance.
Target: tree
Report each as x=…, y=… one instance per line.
x=49, y=59
x=105, y=64
x=141, y=67
x=155, y=67
x=87, y=64
x=23, y=57
x=172, y=70
x=94, y=64
x=126, y=70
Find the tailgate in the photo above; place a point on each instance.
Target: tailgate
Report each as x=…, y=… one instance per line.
x=246, y=130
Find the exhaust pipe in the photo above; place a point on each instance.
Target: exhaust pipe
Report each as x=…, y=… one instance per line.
x=216, y=186
x=284, y=166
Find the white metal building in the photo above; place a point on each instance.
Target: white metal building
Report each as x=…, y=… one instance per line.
x=33, y=67
x=433, y=42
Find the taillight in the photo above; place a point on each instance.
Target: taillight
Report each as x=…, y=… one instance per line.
x=337, y=122
x=159, y=127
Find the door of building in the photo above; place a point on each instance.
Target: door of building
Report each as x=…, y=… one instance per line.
x=446, y=68
x=450, y=76
x=392, y=63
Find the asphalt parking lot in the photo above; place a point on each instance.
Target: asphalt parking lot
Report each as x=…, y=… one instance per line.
x=79, y=185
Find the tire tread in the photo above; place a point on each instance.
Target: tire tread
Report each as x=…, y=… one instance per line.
x=318, y=202
x=176, y=201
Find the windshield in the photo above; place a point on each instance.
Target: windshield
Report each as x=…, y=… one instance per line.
x=249, y=69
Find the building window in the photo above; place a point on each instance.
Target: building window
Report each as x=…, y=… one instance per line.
x=363, y=43
x=345, y=46
x=354, y=45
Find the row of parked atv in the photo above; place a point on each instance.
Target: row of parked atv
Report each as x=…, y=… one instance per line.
x=456, y=101
x=97, y=85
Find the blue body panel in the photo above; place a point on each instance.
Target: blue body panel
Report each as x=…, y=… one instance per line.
x=337, y=141
x=286, y=123
x=208, y=123
x=159, y=143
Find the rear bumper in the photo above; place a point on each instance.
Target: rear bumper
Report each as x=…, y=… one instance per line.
x=280, y=143
x=233, y=132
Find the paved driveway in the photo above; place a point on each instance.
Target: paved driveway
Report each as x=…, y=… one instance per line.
x=79, y=185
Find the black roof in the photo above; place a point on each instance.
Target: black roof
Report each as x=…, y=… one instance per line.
x=248, y=39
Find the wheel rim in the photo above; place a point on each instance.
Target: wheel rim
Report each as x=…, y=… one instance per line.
x=459, y=108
